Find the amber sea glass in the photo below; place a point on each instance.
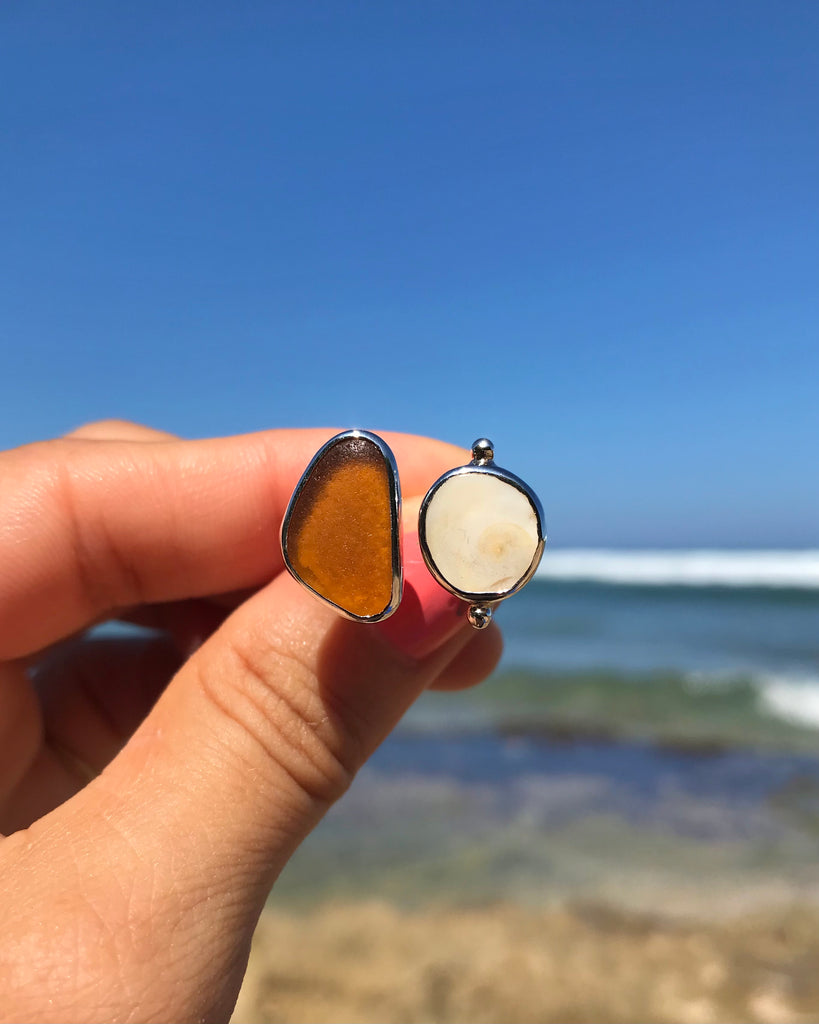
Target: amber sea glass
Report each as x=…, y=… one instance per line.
x=340, y=535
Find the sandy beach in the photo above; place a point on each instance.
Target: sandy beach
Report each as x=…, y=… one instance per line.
x=371, y=962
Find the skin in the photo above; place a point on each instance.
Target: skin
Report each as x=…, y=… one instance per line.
x=151, y=790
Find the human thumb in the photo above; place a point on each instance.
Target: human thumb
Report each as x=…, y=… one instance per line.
x=175, y=846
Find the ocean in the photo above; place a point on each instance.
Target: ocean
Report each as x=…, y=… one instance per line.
x=650, y=738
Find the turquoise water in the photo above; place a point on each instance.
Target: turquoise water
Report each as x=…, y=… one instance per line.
x=720, y=666
x=647, y=745
x=714, y=630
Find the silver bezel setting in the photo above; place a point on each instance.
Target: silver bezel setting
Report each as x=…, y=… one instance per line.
x=395, y=523
x=482, y=462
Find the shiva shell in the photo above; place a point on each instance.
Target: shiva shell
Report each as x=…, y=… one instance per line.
x=481, y=531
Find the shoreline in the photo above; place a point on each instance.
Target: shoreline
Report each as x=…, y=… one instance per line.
x=479, y=819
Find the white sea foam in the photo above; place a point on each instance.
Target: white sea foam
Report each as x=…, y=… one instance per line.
x=691, y=568
x=792, y=698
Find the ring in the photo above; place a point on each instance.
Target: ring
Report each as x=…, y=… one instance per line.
x=480, y=530
x=341, y=533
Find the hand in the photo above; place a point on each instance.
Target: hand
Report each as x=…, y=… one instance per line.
x=152, y=788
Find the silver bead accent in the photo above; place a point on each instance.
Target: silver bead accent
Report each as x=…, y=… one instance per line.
x=483, y=451
x=479, y=615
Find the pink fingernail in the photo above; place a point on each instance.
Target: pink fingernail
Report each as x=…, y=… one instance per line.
x=428, y=615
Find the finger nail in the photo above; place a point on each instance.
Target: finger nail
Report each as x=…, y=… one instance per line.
x=428, y=615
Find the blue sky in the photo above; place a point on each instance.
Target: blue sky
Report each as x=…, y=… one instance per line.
x=587, y=230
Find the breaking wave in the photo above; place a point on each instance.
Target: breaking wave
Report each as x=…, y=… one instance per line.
x=784, y=569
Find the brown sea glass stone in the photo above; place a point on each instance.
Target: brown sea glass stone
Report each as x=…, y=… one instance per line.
x=340, y=535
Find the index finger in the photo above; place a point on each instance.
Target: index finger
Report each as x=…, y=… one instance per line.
x=87, y=527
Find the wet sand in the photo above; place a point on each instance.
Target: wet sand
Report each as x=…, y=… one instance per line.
x=373, y=962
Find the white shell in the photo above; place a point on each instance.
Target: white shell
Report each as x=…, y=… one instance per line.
x=481, y=532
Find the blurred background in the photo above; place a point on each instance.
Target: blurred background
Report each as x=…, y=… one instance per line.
x=587, y=230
